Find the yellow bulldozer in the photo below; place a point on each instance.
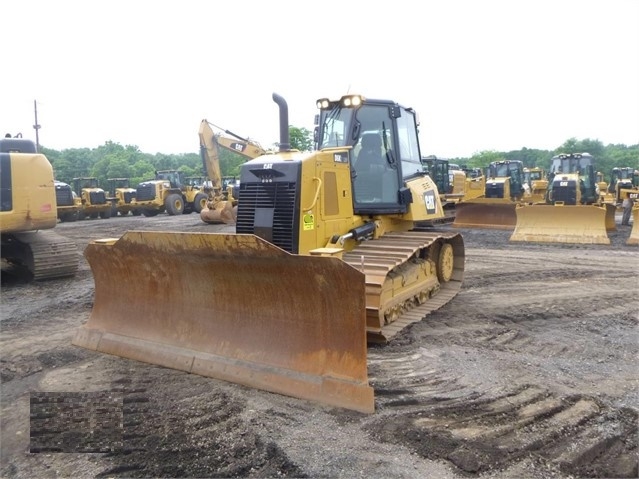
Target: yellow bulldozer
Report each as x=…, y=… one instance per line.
x=221, y=205
x=326, y=257
x=450, y=181
x=572, y=212
x=495, y=209
x=535, y=185
x=29, y=213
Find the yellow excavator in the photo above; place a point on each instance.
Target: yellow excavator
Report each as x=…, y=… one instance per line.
x=326, y=258
x=572, y=212
x=495, y=209
x=221, y=205
x=28, y=214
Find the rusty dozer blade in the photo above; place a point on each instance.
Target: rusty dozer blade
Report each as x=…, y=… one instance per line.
x=489, y=213
x=232, y=307
x=580, y=224
x=633, y=239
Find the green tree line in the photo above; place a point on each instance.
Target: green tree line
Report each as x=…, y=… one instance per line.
x=113, y=160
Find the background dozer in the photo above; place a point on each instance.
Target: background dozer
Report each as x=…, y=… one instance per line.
x=450, y=182
x=325, y=258
x=221, y=204
x=535, y=185
x=572, y=212
x=496, y=208
x=29, y=213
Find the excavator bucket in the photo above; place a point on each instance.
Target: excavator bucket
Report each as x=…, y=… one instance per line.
x=232, y=307
x=633, y=239
x=582, y=224
x=490, y=213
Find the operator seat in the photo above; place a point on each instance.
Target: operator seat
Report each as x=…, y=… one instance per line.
x=370, y=156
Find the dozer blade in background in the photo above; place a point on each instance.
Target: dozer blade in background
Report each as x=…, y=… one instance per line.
x=233, y=307
x=581, y=224
x=489, y=213
x=611, y=224
x=633, y=239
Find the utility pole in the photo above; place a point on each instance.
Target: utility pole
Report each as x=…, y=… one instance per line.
x=36, y=127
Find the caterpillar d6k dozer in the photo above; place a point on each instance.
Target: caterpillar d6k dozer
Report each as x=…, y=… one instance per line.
x=496, y=208
x=326, y=257
x=572, y=213
x=30, y=249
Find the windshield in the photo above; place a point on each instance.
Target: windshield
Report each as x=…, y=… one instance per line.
x=333, y=127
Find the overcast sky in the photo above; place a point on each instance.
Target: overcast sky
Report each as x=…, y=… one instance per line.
x=482, y=74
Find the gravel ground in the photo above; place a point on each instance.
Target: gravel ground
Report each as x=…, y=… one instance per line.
x=529, y=372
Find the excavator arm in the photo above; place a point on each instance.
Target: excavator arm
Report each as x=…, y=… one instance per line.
x=221, y=207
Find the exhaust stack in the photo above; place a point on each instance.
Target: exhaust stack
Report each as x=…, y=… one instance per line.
x=285, y=140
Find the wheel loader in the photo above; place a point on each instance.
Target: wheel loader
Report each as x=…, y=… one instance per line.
x=29, y=213
x=122, y=197
x=495, y=209
x=169, y=192
x=68, y=203
x=326, y=258
x=94, y=199
x=572, y=212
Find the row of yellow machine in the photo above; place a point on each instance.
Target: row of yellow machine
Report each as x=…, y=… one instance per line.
x=169, y=192
x=568, y=204
x=333, y=249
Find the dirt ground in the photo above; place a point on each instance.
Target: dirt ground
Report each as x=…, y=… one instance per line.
x=529, y=372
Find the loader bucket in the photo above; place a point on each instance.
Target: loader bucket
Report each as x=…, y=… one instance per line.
x=582, y=224
x=486, y=213
x=221, y=212
x=232, y=307
x=633, y=239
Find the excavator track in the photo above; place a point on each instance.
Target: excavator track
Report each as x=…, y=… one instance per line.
x=44, y=254
x=408, y=275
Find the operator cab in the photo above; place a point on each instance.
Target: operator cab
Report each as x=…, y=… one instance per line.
x=385, y=149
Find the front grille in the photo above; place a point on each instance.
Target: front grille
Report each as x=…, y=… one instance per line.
x=281, y=198
x=64, y=196
x=97, y=197
x=566, y=192
x=129, y=196
x=146, y=192
x=494, y=190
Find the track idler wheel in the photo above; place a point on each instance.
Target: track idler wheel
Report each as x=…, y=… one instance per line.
x=445, y=263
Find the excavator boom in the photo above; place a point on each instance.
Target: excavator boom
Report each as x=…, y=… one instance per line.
x=221, y=206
